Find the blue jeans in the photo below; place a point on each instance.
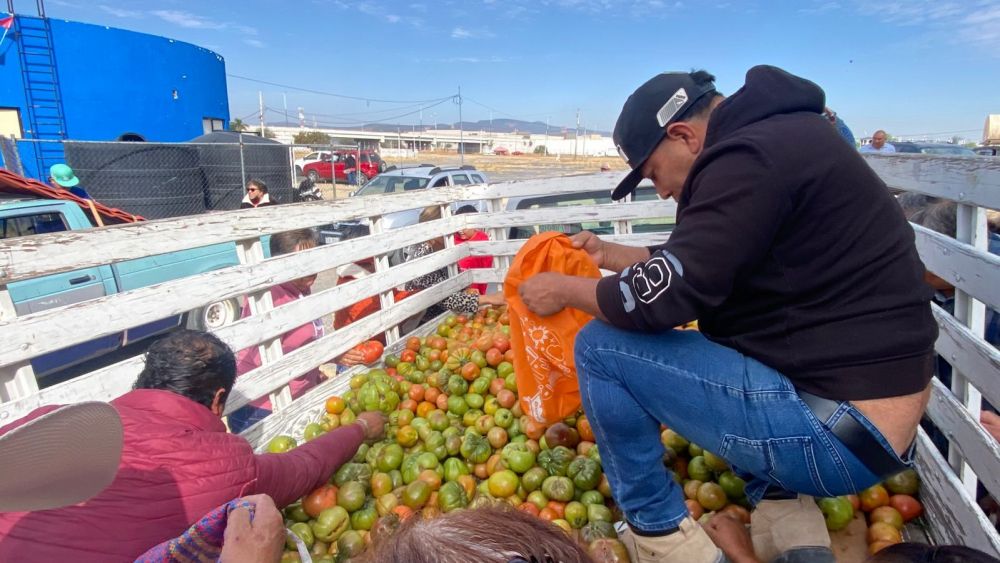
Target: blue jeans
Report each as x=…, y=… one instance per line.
x=725, y=402
x=245, y=417
x=352, y=178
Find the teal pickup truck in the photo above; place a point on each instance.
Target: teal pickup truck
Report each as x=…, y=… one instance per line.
x=26, y=217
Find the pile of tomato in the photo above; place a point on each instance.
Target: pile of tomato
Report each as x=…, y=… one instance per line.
x=457, y=438
x=710, y=486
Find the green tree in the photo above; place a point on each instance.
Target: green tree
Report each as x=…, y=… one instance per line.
x=311, y=138
x=237, y=125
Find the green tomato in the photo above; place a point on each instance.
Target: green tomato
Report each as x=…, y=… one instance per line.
x=330, y=524
x=505, y=369
x=474, y=400
x=451, y=497
x=837, y=511
x=533, y=478
x=503, y=418
x=364, y=518
x=598, y=512
x=576, y=514
x=457, y=405
x=280, y=444
x=559, y=488
x=585, y=473
x=518, y=457
x=390, y=457
x=592, y=497
x=296, y=513
x=304, y=532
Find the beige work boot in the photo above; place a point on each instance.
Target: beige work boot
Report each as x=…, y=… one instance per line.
x=777, y=526
x=689, y=544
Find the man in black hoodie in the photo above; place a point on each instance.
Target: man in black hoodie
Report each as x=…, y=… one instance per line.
x=811, y=370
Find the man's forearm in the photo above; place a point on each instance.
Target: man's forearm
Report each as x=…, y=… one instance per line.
x=581, y=293
x=617, y=257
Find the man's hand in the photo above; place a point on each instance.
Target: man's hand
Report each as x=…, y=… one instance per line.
x=352, y=357
x=373, y=423
x=544, y=293
x=592, y=245
x=260, y=541
x=491, y=299
x=732, y=537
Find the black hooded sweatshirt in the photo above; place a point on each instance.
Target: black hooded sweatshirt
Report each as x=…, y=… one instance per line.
x=789, y=249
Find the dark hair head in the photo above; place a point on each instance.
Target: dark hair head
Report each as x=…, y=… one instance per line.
x=940, y=217
x=288, y=242
x=494, y=534
x=259, y=184
x=191, y=363
x=701, y=107
x=919, y=553
x=466, y=209
x=431, y=213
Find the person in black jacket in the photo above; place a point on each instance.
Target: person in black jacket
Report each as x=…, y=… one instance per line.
x=811, y=370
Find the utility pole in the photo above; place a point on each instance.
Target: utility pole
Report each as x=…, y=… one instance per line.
x=260, y=98
x=284, y=100
x=576, y=136
x=461, y=133
x=546, y=136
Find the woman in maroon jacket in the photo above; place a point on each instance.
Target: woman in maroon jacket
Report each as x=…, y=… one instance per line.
x=177, y=464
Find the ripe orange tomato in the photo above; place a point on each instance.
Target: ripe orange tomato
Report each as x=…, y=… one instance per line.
x=372, y=351
x=413, y=343
x=319, y=500
x=408, y=356
x=335, y=405
x=873, y=497
x=907, y=506
x=583, y=427
x=529, y=508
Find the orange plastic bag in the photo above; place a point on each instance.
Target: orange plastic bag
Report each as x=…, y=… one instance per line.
x=543, y=346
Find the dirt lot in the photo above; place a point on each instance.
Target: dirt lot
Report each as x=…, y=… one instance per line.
x=503, y=168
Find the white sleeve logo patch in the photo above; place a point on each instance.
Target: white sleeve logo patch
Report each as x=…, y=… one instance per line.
x=651, y=279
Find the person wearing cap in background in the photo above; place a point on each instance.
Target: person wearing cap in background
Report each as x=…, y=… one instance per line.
x=62, y=175
x=178, y=463
x=811, y=370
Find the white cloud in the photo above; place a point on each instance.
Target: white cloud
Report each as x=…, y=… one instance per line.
x=821, y=8
x=959, y=23
x=254, y=43
x=187, y=19
x=463, y=33
x=392, y=18
x=120, y=13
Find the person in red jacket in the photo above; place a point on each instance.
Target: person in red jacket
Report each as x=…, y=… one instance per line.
x=472, y=262
x=177, y=464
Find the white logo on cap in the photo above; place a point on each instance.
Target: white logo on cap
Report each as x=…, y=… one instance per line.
x=621, y=153
x=673, y=105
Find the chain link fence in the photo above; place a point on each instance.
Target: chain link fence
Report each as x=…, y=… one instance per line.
x=161, y=180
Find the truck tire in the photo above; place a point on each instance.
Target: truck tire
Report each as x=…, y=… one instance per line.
x=362, y=179
x=313, y=176
x=214, y=315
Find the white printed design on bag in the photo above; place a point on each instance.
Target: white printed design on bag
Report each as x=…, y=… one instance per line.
x=547, y=362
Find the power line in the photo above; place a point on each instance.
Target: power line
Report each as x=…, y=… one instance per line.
x=383, y=120
x=334, y=95
x=493, y=109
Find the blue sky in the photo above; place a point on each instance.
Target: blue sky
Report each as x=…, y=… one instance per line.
x=908, y=66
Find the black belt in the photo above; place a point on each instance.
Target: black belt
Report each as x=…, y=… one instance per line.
x=854, y=436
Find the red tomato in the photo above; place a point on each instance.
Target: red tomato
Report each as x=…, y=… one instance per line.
x=372, y=351
x=408, y=355
x=529, y=508
x=413, y=343
x=501, y=342
x=494, y=357
x=907, y=506
x=319, y=500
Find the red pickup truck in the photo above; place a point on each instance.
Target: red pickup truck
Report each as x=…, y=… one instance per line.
x=370, y=164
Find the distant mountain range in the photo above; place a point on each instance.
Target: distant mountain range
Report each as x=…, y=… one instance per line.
x=500, y=125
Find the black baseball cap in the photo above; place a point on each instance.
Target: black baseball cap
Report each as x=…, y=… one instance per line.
x=662, y=100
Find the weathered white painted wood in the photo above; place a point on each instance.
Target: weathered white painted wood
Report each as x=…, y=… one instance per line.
x=512, y=246
x=99, y=385
x=309, y=407
x=974, y=271
x=27, y=257
x=53, y=329
x=262, y=380
x=954, y=518
x=574, y=214
x=605, y=181
x=978, y=360
x=115, y=380
x=966, y=435
x=17, y=379
x=970, y=180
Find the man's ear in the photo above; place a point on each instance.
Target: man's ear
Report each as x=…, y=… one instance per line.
x=684, y=131
x=219, y=402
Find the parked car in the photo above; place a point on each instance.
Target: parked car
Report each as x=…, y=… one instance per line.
x=310, y=158
x=406, y=179
x=22, y=217
x=370, y=165
x=642, y=193
x=501, y=151
x=943, y=149
x=988, y=150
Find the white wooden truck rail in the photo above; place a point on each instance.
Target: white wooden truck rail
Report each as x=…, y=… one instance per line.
x=952, y=515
